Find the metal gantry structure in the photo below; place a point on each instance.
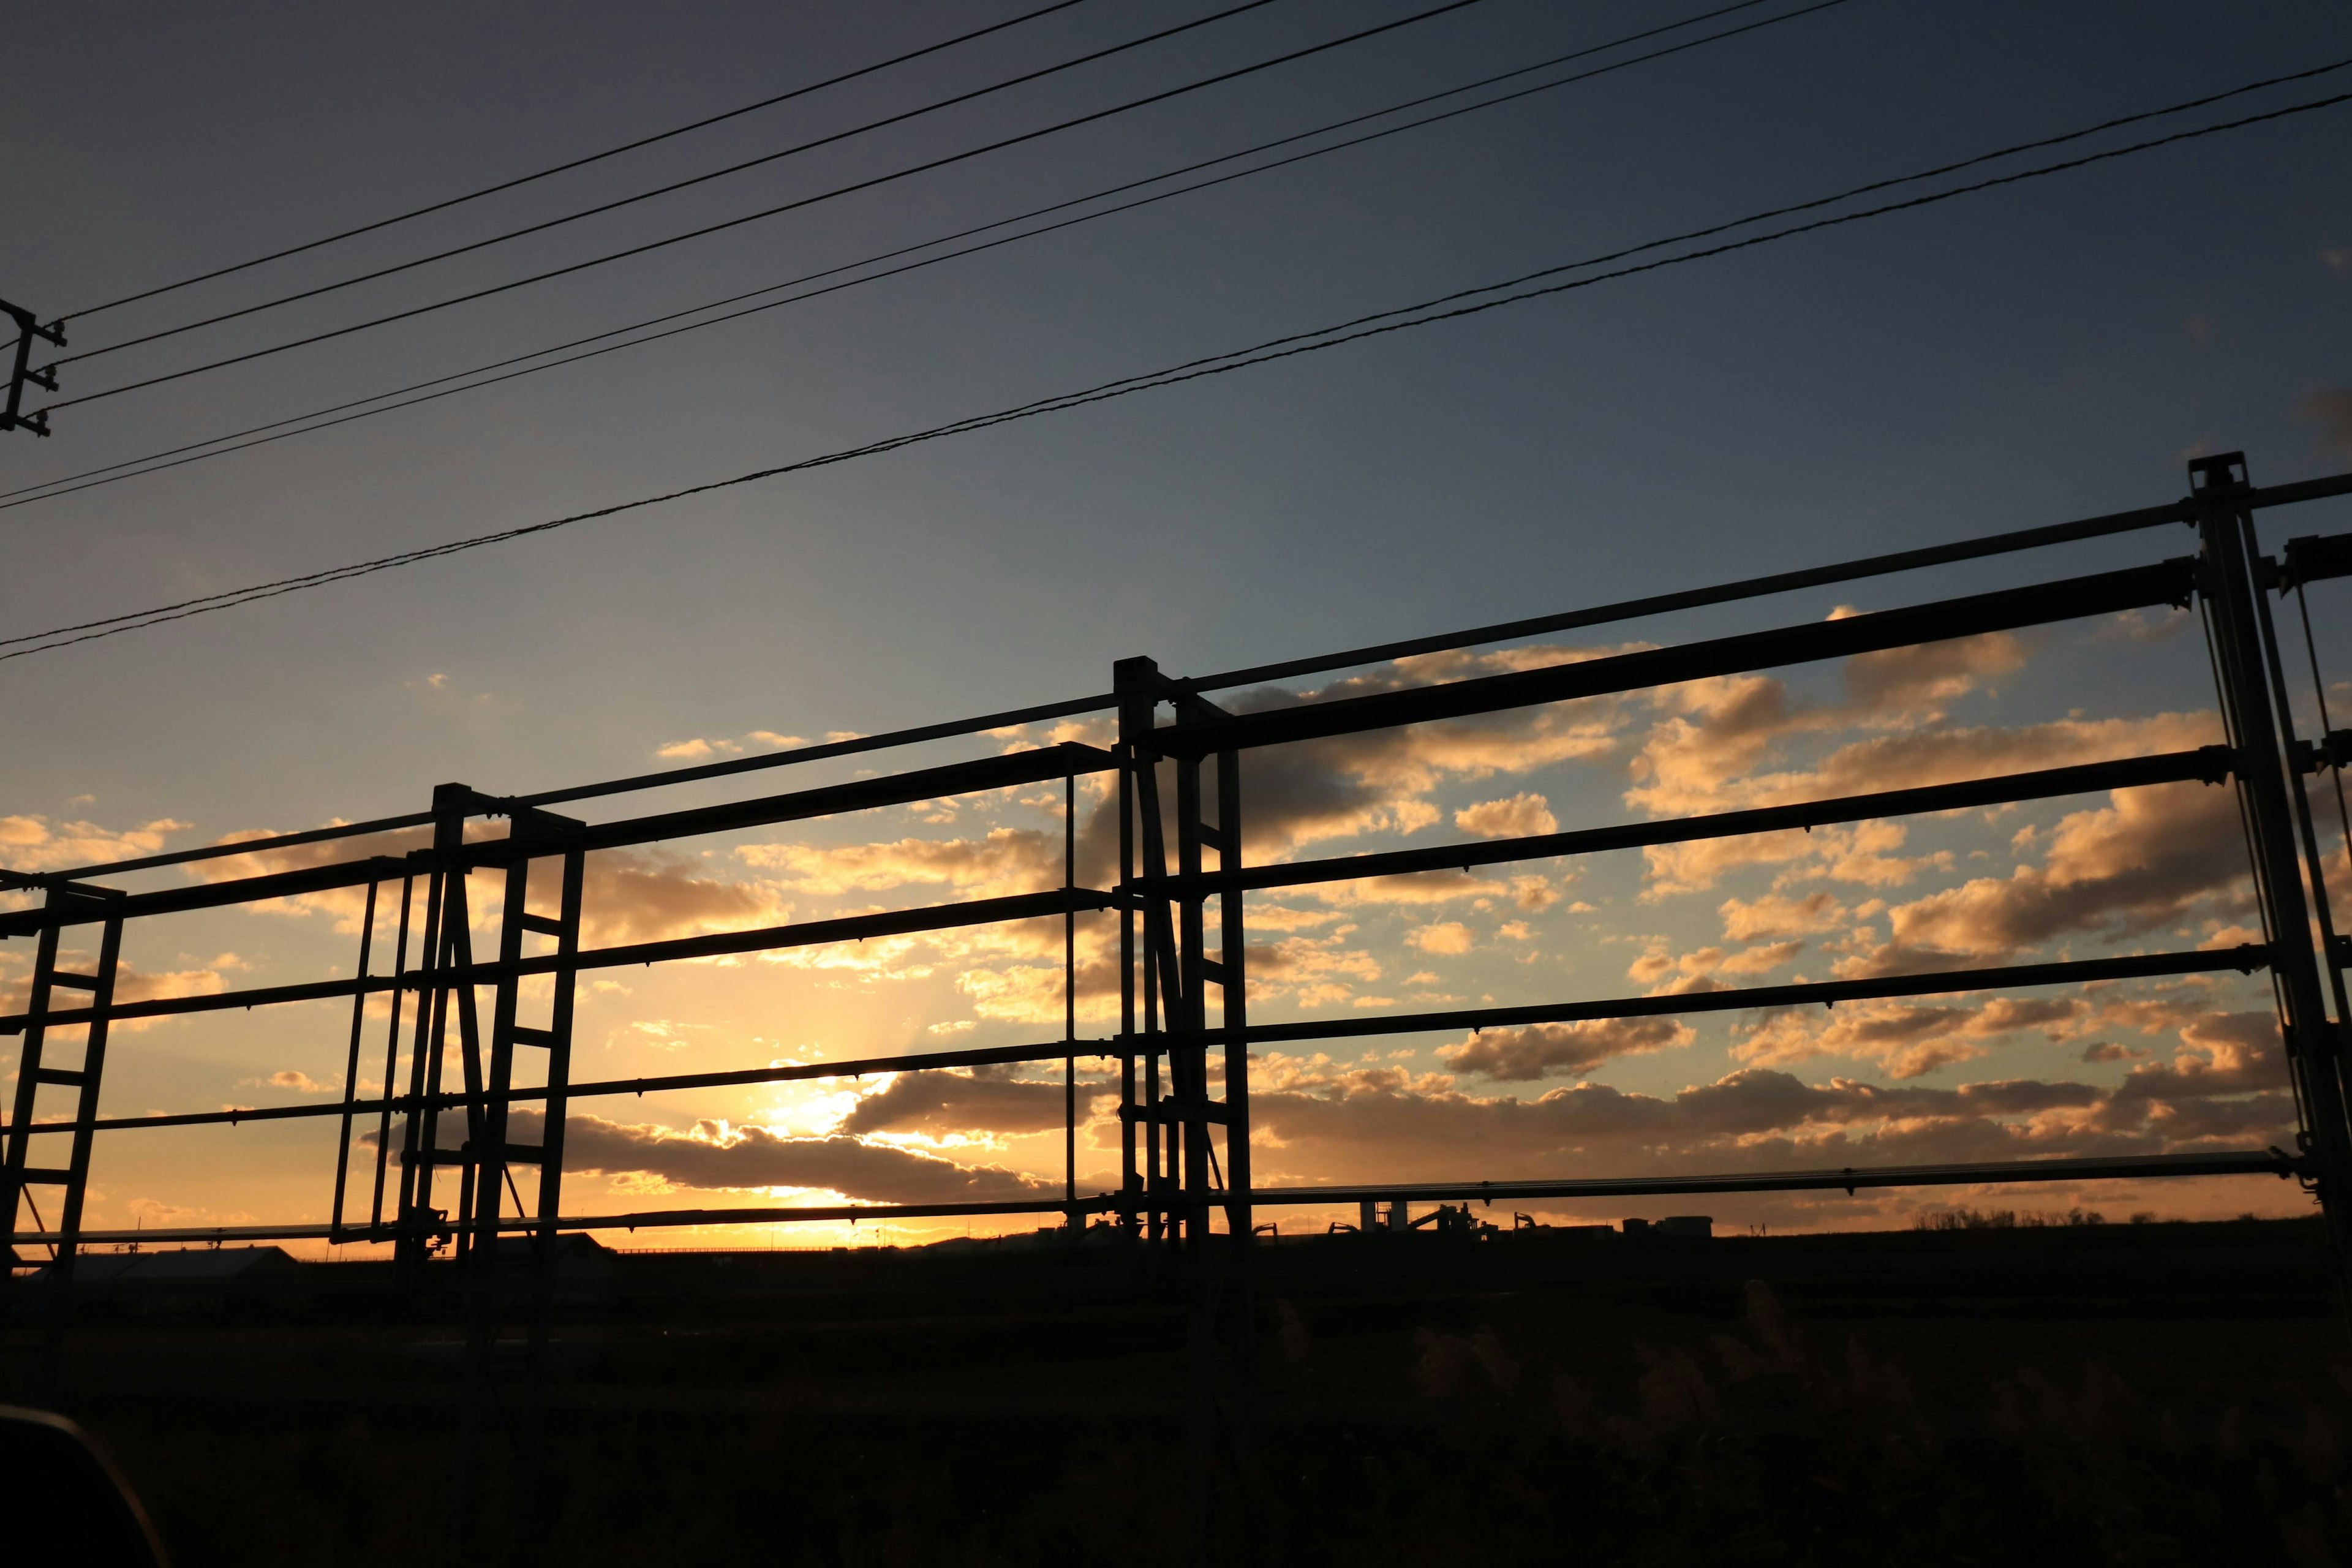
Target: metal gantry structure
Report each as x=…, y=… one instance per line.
x=472, y=1039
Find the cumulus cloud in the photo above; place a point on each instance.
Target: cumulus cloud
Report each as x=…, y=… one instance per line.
x=985, y=1100
x=1521, y=815
x=2330, y=408
x=1447, y=937
x=1560, y=1050
x=1774, y=916
x=1007, y=860
x=1349, y=785
x=132, y=983
x=1909, y=1039
x=627, y=895
x=2131, y=866
x=38, y=844
x=1376, y=1124
x=716, y=1156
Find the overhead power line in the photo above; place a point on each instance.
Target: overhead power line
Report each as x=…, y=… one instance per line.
x=1101, y=114
x=1455, y=306
x=581, y=162
x=91, y=479
x=574, y=216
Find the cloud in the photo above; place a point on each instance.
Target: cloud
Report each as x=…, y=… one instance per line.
x=2122, y=869
x=716, y=1156
x=984, y=1100
x=37, y=844
x=1774, y=916
x=2330, y=408
x=627, y=895
x=1382, y=1124
x=1909, y=1038
x=132, y=983
x=1008, y=860
x=1349, y=785
x=1449, y=937
x=699, y=747
x=1559, y=1050
x=1667, y=972
x=300, y=1082
x=1521, y=816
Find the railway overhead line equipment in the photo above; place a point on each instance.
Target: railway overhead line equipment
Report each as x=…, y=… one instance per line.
x=438, y=1159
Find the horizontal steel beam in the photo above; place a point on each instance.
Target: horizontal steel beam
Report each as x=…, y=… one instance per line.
x=2315, y=557
x=2106, y=526
x=760, y=939
x=1008, y=770
x=210, y=895
x=850, y=746
x=2240, y=1162
x=2100, y=1168
x=2008, y=609
x=220, y=852
x=1813, y=993
x=2208, y=764
x=654, y=1219
x=791, y=1072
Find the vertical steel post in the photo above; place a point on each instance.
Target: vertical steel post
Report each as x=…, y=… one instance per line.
x=1070, y=1003
x=2219, y=486
x=29, y=1060
x=1131, y=1184
x=1233, y=978
x=1138, y=683
x=445, y=915
x=351, y=1070
x=391, y=1056
x=85, y=1081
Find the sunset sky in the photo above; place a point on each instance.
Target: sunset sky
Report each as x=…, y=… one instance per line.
x=2020, y=356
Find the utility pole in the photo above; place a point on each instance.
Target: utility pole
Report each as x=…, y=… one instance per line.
x=21, y=371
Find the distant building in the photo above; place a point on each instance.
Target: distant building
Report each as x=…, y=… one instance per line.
x=1684, y=1225
x=185, y=1280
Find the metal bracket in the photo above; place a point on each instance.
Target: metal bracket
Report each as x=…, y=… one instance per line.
x=20, y=373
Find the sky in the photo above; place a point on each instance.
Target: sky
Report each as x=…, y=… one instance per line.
x=2022, y=356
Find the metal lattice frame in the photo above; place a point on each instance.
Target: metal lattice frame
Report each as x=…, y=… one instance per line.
x=1179, y=760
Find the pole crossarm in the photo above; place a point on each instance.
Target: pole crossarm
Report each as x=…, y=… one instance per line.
x=2206, y=764
x=2244, y=960
x=2007, y=610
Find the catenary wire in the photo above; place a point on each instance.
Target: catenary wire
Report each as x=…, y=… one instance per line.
x=756, y=216
x=618, y=202
x=793, y=206
x=445, y=203
x=91, y=479
x=1423, y=314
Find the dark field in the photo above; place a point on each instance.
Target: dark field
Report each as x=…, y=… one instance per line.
x=2142, y=1394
